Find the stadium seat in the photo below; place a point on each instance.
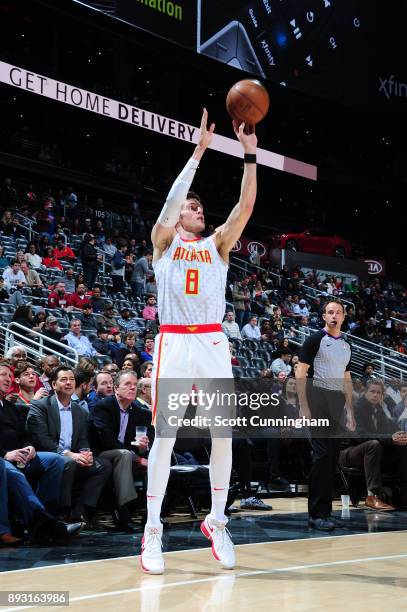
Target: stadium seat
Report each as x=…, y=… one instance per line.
x=259, y=363
x=237, y=372
x=251, y=372
x=244, y=361
x=249, y=343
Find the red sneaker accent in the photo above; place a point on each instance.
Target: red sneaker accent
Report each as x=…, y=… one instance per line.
x=208, y=535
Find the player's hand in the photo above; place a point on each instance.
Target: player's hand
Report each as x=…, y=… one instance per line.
x=205, y=135
x=246, y=135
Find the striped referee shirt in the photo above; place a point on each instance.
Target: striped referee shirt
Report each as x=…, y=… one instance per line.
x=328, y=357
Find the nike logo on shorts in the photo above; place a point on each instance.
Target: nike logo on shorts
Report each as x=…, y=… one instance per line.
x=215, y=343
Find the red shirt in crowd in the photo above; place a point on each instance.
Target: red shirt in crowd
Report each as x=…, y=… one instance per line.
x=77, y=301
x=56, y=300
x=50, y=262
x=65, y=253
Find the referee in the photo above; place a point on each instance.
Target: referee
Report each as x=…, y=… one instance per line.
x=325, y=358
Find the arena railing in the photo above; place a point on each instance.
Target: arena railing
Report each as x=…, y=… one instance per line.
x=317, y=293
x=249, y=264
x=398, y=320
x=388, y=365
x=28, y=225
x=37, y=345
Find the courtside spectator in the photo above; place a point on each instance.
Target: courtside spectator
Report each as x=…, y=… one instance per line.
x=26, y=378
x=103, y=388
x=59, y=425
x=400, y=410
x=114, y=420
x=47, y=365
x=83, y=385
x=42, y=467
x=372, y=423
x=6, y=537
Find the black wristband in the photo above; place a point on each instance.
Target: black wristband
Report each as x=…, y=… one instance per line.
x=250, y=158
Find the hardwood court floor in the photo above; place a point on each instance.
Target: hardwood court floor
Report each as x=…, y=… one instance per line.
x=347, y=573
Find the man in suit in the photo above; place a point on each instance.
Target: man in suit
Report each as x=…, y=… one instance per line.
x=114, y=421
x=59, y=425
x=26, y=470
x=372, y=423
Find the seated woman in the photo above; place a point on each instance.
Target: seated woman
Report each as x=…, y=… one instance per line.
x=49, y=260
x=32, y=258
x=23, y=316
x=131, y=362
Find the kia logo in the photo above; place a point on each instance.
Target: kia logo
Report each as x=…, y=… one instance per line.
x=256, y=248
x=238, y=246
x=373, y=266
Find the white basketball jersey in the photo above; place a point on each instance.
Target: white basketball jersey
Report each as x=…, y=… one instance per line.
x=191, y=282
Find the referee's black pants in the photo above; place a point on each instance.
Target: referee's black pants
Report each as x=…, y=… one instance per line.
x=326, y=443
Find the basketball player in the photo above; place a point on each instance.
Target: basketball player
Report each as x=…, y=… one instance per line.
x=191, y=277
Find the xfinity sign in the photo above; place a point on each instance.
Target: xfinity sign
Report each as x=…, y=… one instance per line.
x=391, y=87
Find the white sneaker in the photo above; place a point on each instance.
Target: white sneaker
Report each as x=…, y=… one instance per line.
x=222, y=545
x=152, y=560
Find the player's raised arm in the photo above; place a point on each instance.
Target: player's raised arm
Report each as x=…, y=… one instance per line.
x=232, y=229
x=164, y=229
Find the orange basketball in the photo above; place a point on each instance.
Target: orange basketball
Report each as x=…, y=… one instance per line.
x=247, y=101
